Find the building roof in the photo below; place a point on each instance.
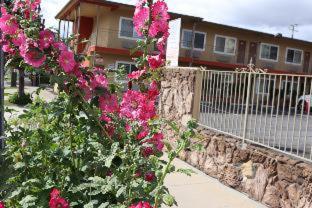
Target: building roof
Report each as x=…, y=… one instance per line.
x=73, y=3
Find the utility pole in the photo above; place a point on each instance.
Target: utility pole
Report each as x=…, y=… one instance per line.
x=1, y=91
x=292, y=29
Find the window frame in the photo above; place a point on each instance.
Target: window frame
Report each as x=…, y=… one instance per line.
x=293, y=84
x=199, y=32
x=258, y=87
x=116, y=68
x=124, y=62
x=269, y=44
x=294, y=49
x=119, y=32
x=226, y=37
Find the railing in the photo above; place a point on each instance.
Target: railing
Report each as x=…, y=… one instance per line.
x=271, y=110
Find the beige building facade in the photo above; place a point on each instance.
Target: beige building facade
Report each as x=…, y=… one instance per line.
x=108, y=27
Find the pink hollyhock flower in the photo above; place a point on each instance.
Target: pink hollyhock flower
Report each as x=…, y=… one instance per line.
x=128, y=128
x=4, y=11
x=2, y=204
x=147, y=151
x=19, y=39
x=67, y=61
x=155, y=61
x=106, y=118
x=8, y=24
x=138, y=174
x=132, y=104
x=141, y=205
x=55, y=193
x=84, y=85
x=56, y=201
x=140, y=20
x=46, y=38
x=150, y=177
x=60, y=46
x=142, y=134
x=161, y=43
x=110, y=129
x=153, y=91
x=33, y=4
x=157, y=140
x=160, y=18
x=99, y=81
x=77, y=71
x=17, y=5
x=136, y=74
x=141, y=3
x=108, y=103
x=160, y=11
x=8, y=49
x=148, y=111
x=32, y=55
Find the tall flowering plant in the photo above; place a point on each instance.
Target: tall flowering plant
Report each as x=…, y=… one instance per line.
x=94, y=146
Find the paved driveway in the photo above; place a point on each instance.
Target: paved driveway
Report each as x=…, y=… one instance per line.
x=287, y=132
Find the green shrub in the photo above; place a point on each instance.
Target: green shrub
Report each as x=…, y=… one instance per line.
x=23, y=100
x=55, y=145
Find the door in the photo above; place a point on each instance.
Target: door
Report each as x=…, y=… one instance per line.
x=241, y=52
x=253, y=46
x=306, y=62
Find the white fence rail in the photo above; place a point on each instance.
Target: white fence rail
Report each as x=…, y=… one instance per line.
x=272, y=110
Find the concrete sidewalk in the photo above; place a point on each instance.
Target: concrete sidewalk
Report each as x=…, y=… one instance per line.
x=202, y=191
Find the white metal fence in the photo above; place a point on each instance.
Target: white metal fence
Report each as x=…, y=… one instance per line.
x=272, y=110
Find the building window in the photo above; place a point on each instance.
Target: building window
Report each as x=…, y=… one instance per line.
x=127, y=66
x=262, y=86
x=225, y=45
x=126, y=29
x=269, y=52
x=199, y=40
x=290, y=87
x=293, y=56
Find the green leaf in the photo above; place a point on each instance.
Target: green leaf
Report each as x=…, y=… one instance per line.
x=169, y=200
x=186, y=171
x=19, y=165
x=28, y=201
x=121, y=191
x=109, y=159
x=91, y=204
x=104, y=205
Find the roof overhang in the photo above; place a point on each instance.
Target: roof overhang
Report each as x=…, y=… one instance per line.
x=67, y=11
x=72, y=5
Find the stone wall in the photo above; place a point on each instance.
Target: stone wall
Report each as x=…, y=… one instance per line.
x=177, y=93
x=264, y=175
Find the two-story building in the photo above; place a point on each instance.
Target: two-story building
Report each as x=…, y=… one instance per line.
x=109, y=28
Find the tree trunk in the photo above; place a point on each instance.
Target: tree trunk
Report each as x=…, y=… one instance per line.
x=13, y=78
x=21, y=86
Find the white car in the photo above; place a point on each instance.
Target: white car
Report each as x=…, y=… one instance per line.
x=307, y=100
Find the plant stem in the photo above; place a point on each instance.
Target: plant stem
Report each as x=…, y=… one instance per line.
x=91, y=115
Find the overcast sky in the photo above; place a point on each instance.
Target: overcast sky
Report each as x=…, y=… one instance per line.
x=272, y=16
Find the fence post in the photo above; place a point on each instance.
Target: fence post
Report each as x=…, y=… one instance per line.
x=197, y=93
x=247, y=106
